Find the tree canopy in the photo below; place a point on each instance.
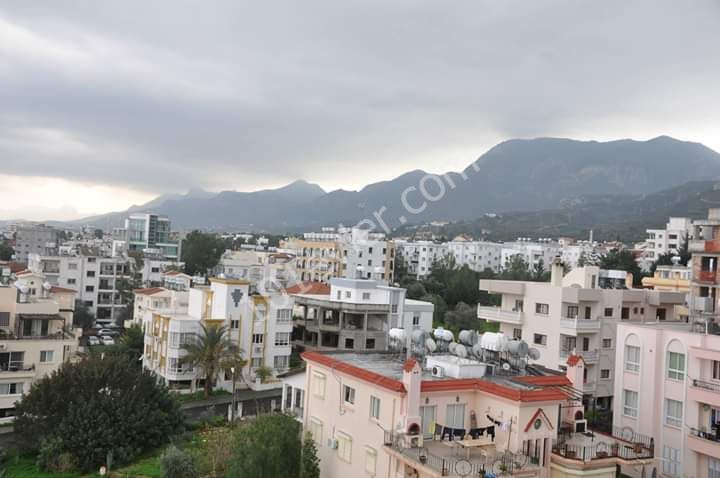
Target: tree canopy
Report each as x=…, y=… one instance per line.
x=201, y=252
x=97, y=406
x=267, y=447
x=622, y=260
x=6, y=251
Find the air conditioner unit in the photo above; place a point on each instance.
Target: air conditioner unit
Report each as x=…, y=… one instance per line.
x=437, y=371
x=332, y=443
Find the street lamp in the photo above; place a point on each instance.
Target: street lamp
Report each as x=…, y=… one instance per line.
x=232, y=412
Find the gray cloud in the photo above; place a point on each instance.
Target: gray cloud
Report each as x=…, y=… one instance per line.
x=173, y=95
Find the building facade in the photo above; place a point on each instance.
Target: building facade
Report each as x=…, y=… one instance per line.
x=35, y=239
x=150, y=231
x=577, y=313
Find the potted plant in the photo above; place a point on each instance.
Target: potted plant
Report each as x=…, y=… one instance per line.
x=638, y=447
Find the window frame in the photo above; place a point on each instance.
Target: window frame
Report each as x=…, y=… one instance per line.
x=629, y=410
x=375, y=404
x=348, y=395
x=672, y=421
x=631, y=366
x=675, y=374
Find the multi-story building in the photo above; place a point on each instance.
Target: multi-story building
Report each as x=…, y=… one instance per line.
x=477, y=255
x=259, y=324
x=267, y=270
x=94, y=278
x=419, y=256
x=35, y=239
x=354, y=314
x=577, y=313
x=674, y=278
x=670, y=239
x=668, y=388
x=534, y=253
x=150, y=231
x=352, y=253
x=36, y=335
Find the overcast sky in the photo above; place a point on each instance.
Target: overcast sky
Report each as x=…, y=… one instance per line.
x=106, y=104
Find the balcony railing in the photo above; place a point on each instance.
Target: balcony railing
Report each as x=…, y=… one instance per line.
x=580, y=324
x=711, y=386
x=497, y=314
x=713, y=435
x=587, y=355
x=16, y=367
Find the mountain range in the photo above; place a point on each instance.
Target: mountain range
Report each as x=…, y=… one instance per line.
x=544, y=174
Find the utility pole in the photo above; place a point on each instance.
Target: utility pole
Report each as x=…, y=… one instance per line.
x=232, y=411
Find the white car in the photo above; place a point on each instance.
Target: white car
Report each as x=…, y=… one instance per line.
x=109, y=332
x=92, y=340
x=107, y=340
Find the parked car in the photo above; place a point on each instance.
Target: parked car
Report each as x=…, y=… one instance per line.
x=92, y=340
x=109, y=332
x=107, y=340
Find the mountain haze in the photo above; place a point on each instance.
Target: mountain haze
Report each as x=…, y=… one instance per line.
x=515, y=175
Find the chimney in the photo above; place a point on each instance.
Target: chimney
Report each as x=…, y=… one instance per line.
x=412, y=380
x=556, y=272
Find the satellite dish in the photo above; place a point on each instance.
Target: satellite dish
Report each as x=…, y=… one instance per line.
x=430, y=345
x=452, y=346
x=468, y=337
x=506, y=366
x=461, y=351
x=534, y=353
x=418, y=336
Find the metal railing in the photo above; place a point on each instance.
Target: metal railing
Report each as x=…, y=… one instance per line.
x=499, y=315
x=713, y=387
x=629, y=435
x=706, y=435
x=602, y=450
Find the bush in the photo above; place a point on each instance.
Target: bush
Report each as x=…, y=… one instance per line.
x=51, y=457
x=93, y=409
x=175, y=463
x=268, y=445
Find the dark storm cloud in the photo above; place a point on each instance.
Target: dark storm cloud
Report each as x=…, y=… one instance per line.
x=164, y=96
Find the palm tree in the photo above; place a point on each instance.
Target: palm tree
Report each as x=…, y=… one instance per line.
x=210, y=351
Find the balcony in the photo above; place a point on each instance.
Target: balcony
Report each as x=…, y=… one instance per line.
x=496, y=314
x=581, y=325
x=589, y=356
x=593, y=449
x=706, y=276
x=704, y=442
x=712, y=246
x=442, y=458
x=705, y=392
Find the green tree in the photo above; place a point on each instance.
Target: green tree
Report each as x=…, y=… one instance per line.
x=201, y=252
x=263, y=373
x=439, y=310
x=415, y=290
x=97, y=406
x=267, y=447
x=82, y=316
x=98, y=233
x=209, y=351
x=309, y=464
x=462, y=317
x=133, y=340
x=6, y=251
x=515, y=269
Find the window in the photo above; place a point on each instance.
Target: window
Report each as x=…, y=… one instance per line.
x=630, y=403
x=455, y=416
x=715, y=369
x=348, y=294
x=46, y=355
x=4, y=319
x=517, y=334
x=88, y=303
x=671, y=461
x=607, y=343
x=349, y=343
x=284, y=315
x=344, y=447
x=282, y=339
x=89, y=288
x=366, y=296
x=257, y=338
x=369, y=344
x=543, y=309
x=71, y=281
x=316, y=428
x=339, y=295
x=572, y=311
x=370, y=460
x=713, y=467
x=676, y=366
x=90, y=273
x=374, y=407
x=72, y=266
x=416, y=319
x=256, y=362
x=11, y=388
x=154, y=270
x=281, y=361
x=625, y=313
x=234, y=324
x=318, y=385
x=605, y=374
x=348, y=395
x=539, y=339
x=91, y=260
x=632, y=358
x=673, y=413
x=608, y=312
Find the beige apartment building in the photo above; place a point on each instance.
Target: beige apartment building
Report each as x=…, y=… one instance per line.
x=36, y=335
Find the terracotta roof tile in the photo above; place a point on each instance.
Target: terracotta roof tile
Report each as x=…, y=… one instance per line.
x=544, y=380
x=515, y=394
x=61, y=290
x=409, y=364
x=574, y=359
x=149, y=291
x=312, y=288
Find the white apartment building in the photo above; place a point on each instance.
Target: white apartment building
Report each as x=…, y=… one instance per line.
x=260, y=325
x=419, y=256
x=670, y=239
x=668, y=388
x=36, y=335
x=267, y=270
x=532, y=252
x=92, y=276
x=352, y=253
x=477, y=255
x=354, y=314
x=577, y=313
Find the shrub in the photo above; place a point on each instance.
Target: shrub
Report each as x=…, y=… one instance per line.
x=176, y=463
x=93, y=409
x=268, y=445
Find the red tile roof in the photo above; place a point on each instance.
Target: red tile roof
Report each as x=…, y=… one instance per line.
x=312, y=288
x=544, y=380
x=518, y=395
x=61, y=290
x=24, y=272
x=149, y=291
x=409, y=365
x=574, y=359
x=357, y=372
x=16, y=267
